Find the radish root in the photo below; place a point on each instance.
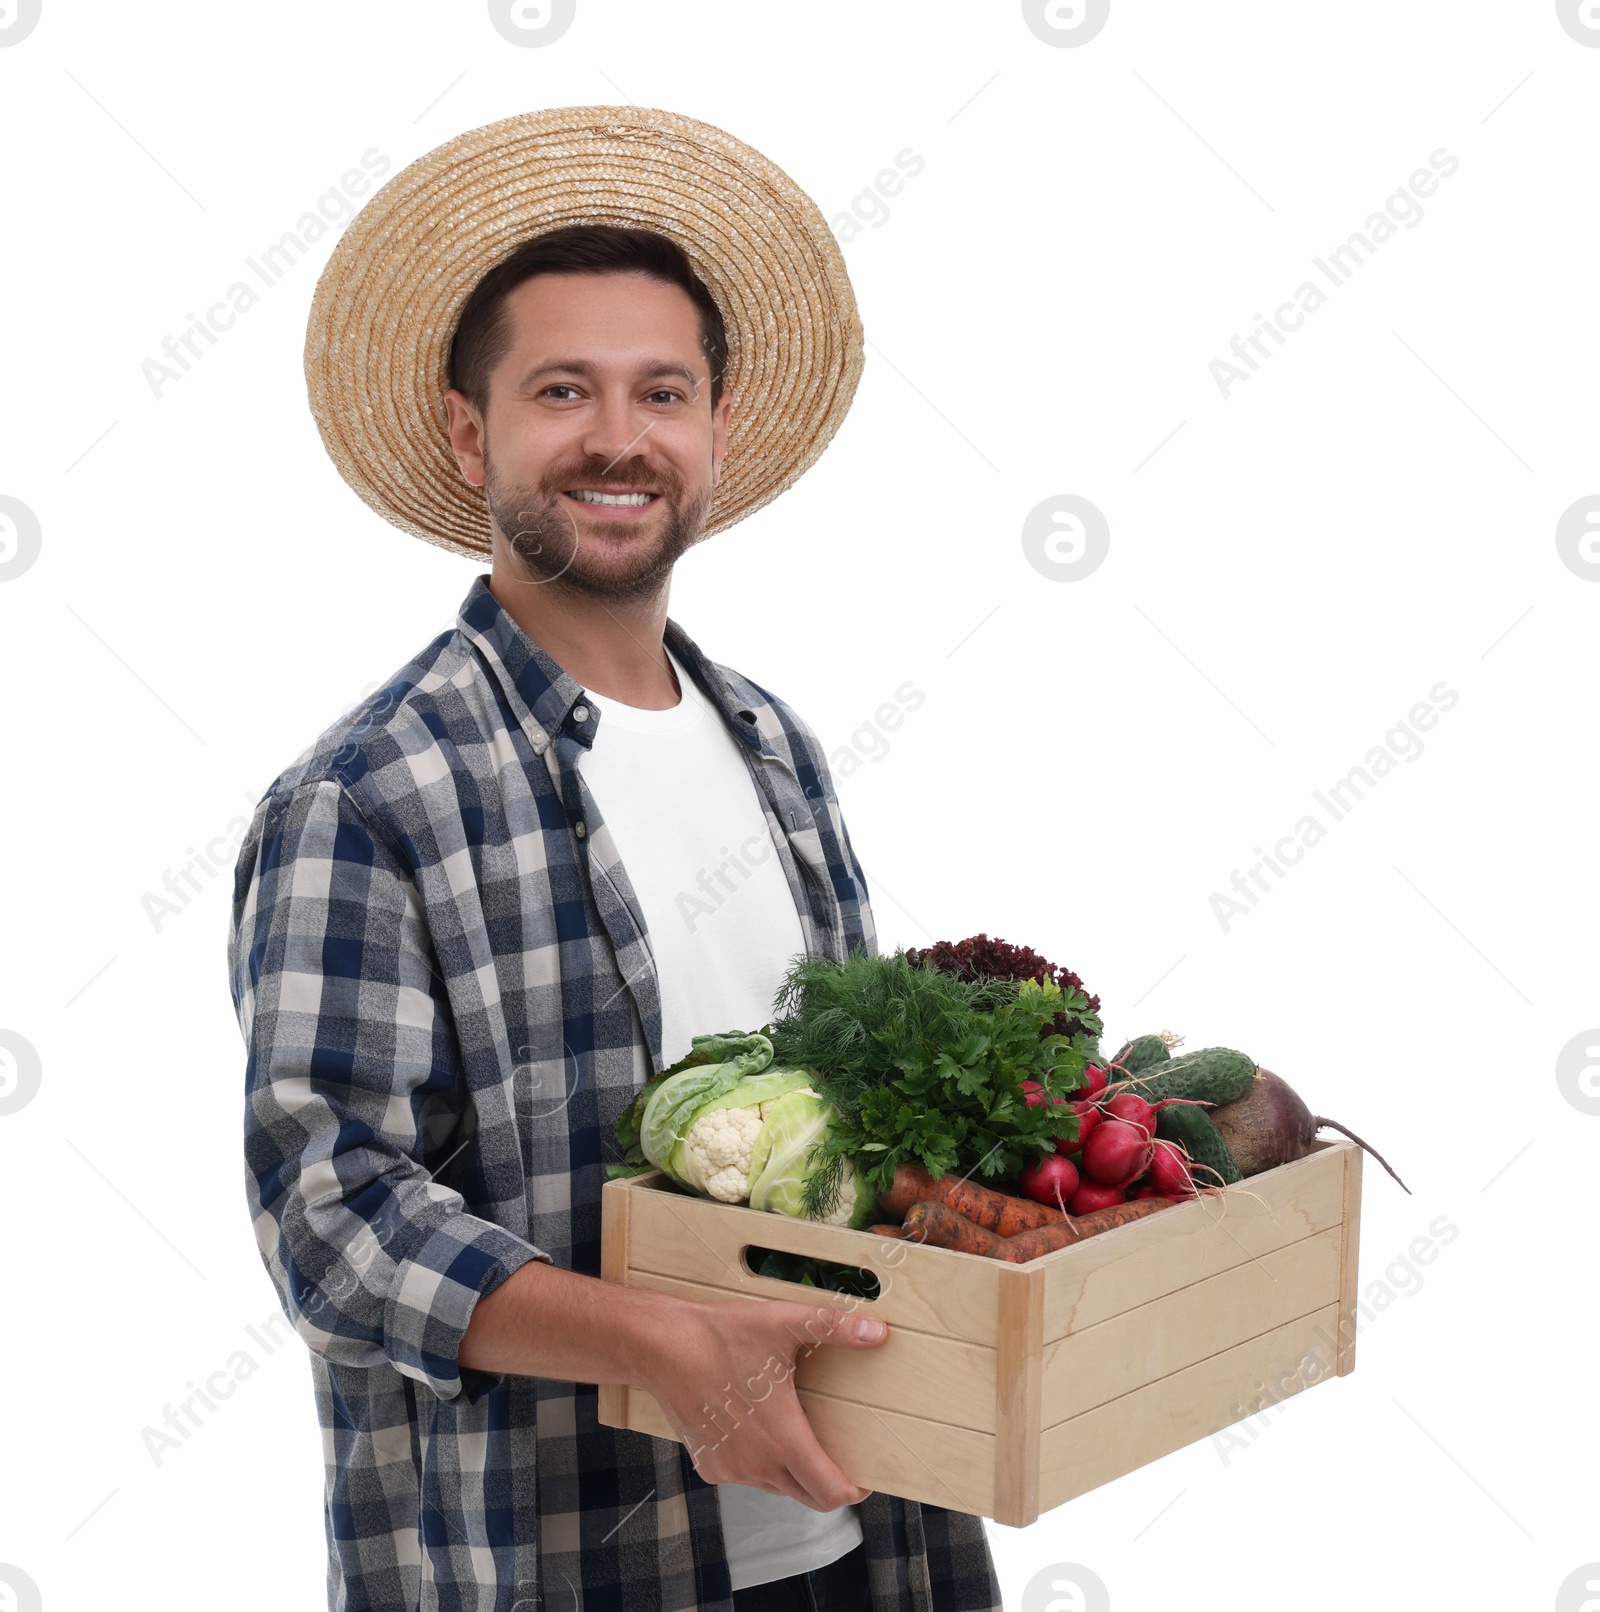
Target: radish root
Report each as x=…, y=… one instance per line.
x=1237, y=1190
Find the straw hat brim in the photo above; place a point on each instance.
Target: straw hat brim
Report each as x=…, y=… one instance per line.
x=386, y=305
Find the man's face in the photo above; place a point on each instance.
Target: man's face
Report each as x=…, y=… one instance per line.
x=605, y=389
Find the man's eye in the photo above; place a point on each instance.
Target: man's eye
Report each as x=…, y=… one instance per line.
x=560, y=386
x=666, y=394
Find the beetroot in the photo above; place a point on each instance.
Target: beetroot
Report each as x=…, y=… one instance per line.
x=1115, y=1153
x=1270, y=1125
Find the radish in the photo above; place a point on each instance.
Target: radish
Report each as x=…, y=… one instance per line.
x=1088, y=1117
x=1094, y=1081
x=1134, y=1109
x=1033, y=1094
x=1169, y=1172
x=1051, y=1179
x=1115, y=1153
x=1090, y=1196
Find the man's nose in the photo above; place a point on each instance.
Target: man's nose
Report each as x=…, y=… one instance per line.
x=615, y=431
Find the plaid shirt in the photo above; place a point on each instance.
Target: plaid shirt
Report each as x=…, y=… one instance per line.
x=447, y=997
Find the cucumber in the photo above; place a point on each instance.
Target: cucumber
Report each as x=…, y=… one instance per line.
x=1192, y=1128
x=1214, y=1075
x=1142, y=1053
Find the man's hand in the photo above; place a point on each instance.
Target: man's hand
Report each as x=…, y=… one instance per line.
x=724, y=1378
x=723, y=1374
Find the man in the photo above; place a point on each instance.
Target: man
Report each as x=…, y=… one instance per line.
x=478, y=913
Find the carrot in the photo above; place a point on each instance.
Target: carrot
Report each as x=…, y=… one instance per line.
x=1023, y=1214
x=931, y=1222
x=888, y=1231
x=1046, y=1239
x=912, y=1184
x=1001, y=1212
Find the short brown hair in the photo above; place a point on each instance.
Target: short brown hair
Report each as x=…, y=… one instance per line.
x=482, y=336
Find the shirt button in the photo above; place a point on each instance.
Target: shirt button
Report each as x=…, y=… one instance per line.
x=578, y=828
x=580, y=713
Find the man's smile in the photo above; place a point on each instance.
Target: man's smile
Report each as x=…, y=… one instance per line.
x=627, y=505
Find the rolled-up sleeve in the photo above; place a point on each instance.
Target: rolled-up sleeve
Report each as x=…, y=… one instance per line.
x=352, y=1081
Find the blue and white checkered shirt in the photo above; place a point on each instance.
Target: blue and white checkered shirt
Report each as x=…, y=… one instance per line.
x=447, y=997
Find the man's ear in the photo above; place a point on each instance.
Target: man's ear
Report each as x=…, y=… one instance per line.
x=719, y=434
x=468, y=436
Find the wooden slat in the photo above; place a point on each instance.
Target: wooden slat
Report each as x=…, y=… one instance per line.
x=906, y=1456
x=942, y=1379
x=1079, y=1455
x=1349, y=1276
x=882, y=1450
x=646, y=1416
x=1103, y=1362
x=1019, y=1365
x=612, y=1408
x=932, y=1290
x=1122, y=1269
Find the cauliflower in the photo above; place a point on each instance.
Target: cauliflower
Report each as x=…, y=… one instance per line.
x=846, y=1206
x=716, y=1151
x=701, y=1124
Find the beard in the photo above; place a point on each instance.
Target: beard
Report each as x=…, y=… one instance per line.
x=560, y=544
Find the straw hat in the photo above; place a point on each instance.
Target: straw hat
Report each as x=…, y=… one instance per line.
x=386, y=306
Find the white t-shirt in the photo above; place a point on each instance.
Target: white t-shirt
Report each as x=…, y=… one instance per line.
x=687, y=821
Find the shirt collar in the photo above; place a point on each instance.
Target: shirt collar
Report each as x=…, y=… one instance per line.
x=548, y=701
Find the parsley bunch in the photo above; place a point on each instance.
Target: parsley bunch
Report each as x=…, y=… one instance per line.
x=923, y=1065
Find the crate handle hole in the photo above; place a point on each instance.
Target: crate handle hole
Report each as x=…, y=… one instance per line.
x=775, y=1265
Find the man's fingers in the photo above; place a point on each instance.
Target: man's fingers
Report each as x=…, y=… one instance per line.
x=821, y=1483
x=823, y=1486
x=825, y=1492
x=803, y=1469
x=858, y=1331
x=765, y=1440
x=851, y=1329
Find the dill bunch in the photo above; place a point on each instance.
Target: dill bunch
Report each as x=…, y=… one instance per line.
x=849, y=1021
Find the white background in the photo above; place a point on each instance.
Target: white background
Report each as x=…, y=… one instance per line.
x=1372, y=513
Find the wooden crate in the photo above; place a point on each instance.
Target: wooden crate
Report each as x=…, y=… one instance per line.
x=1006, y=1390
